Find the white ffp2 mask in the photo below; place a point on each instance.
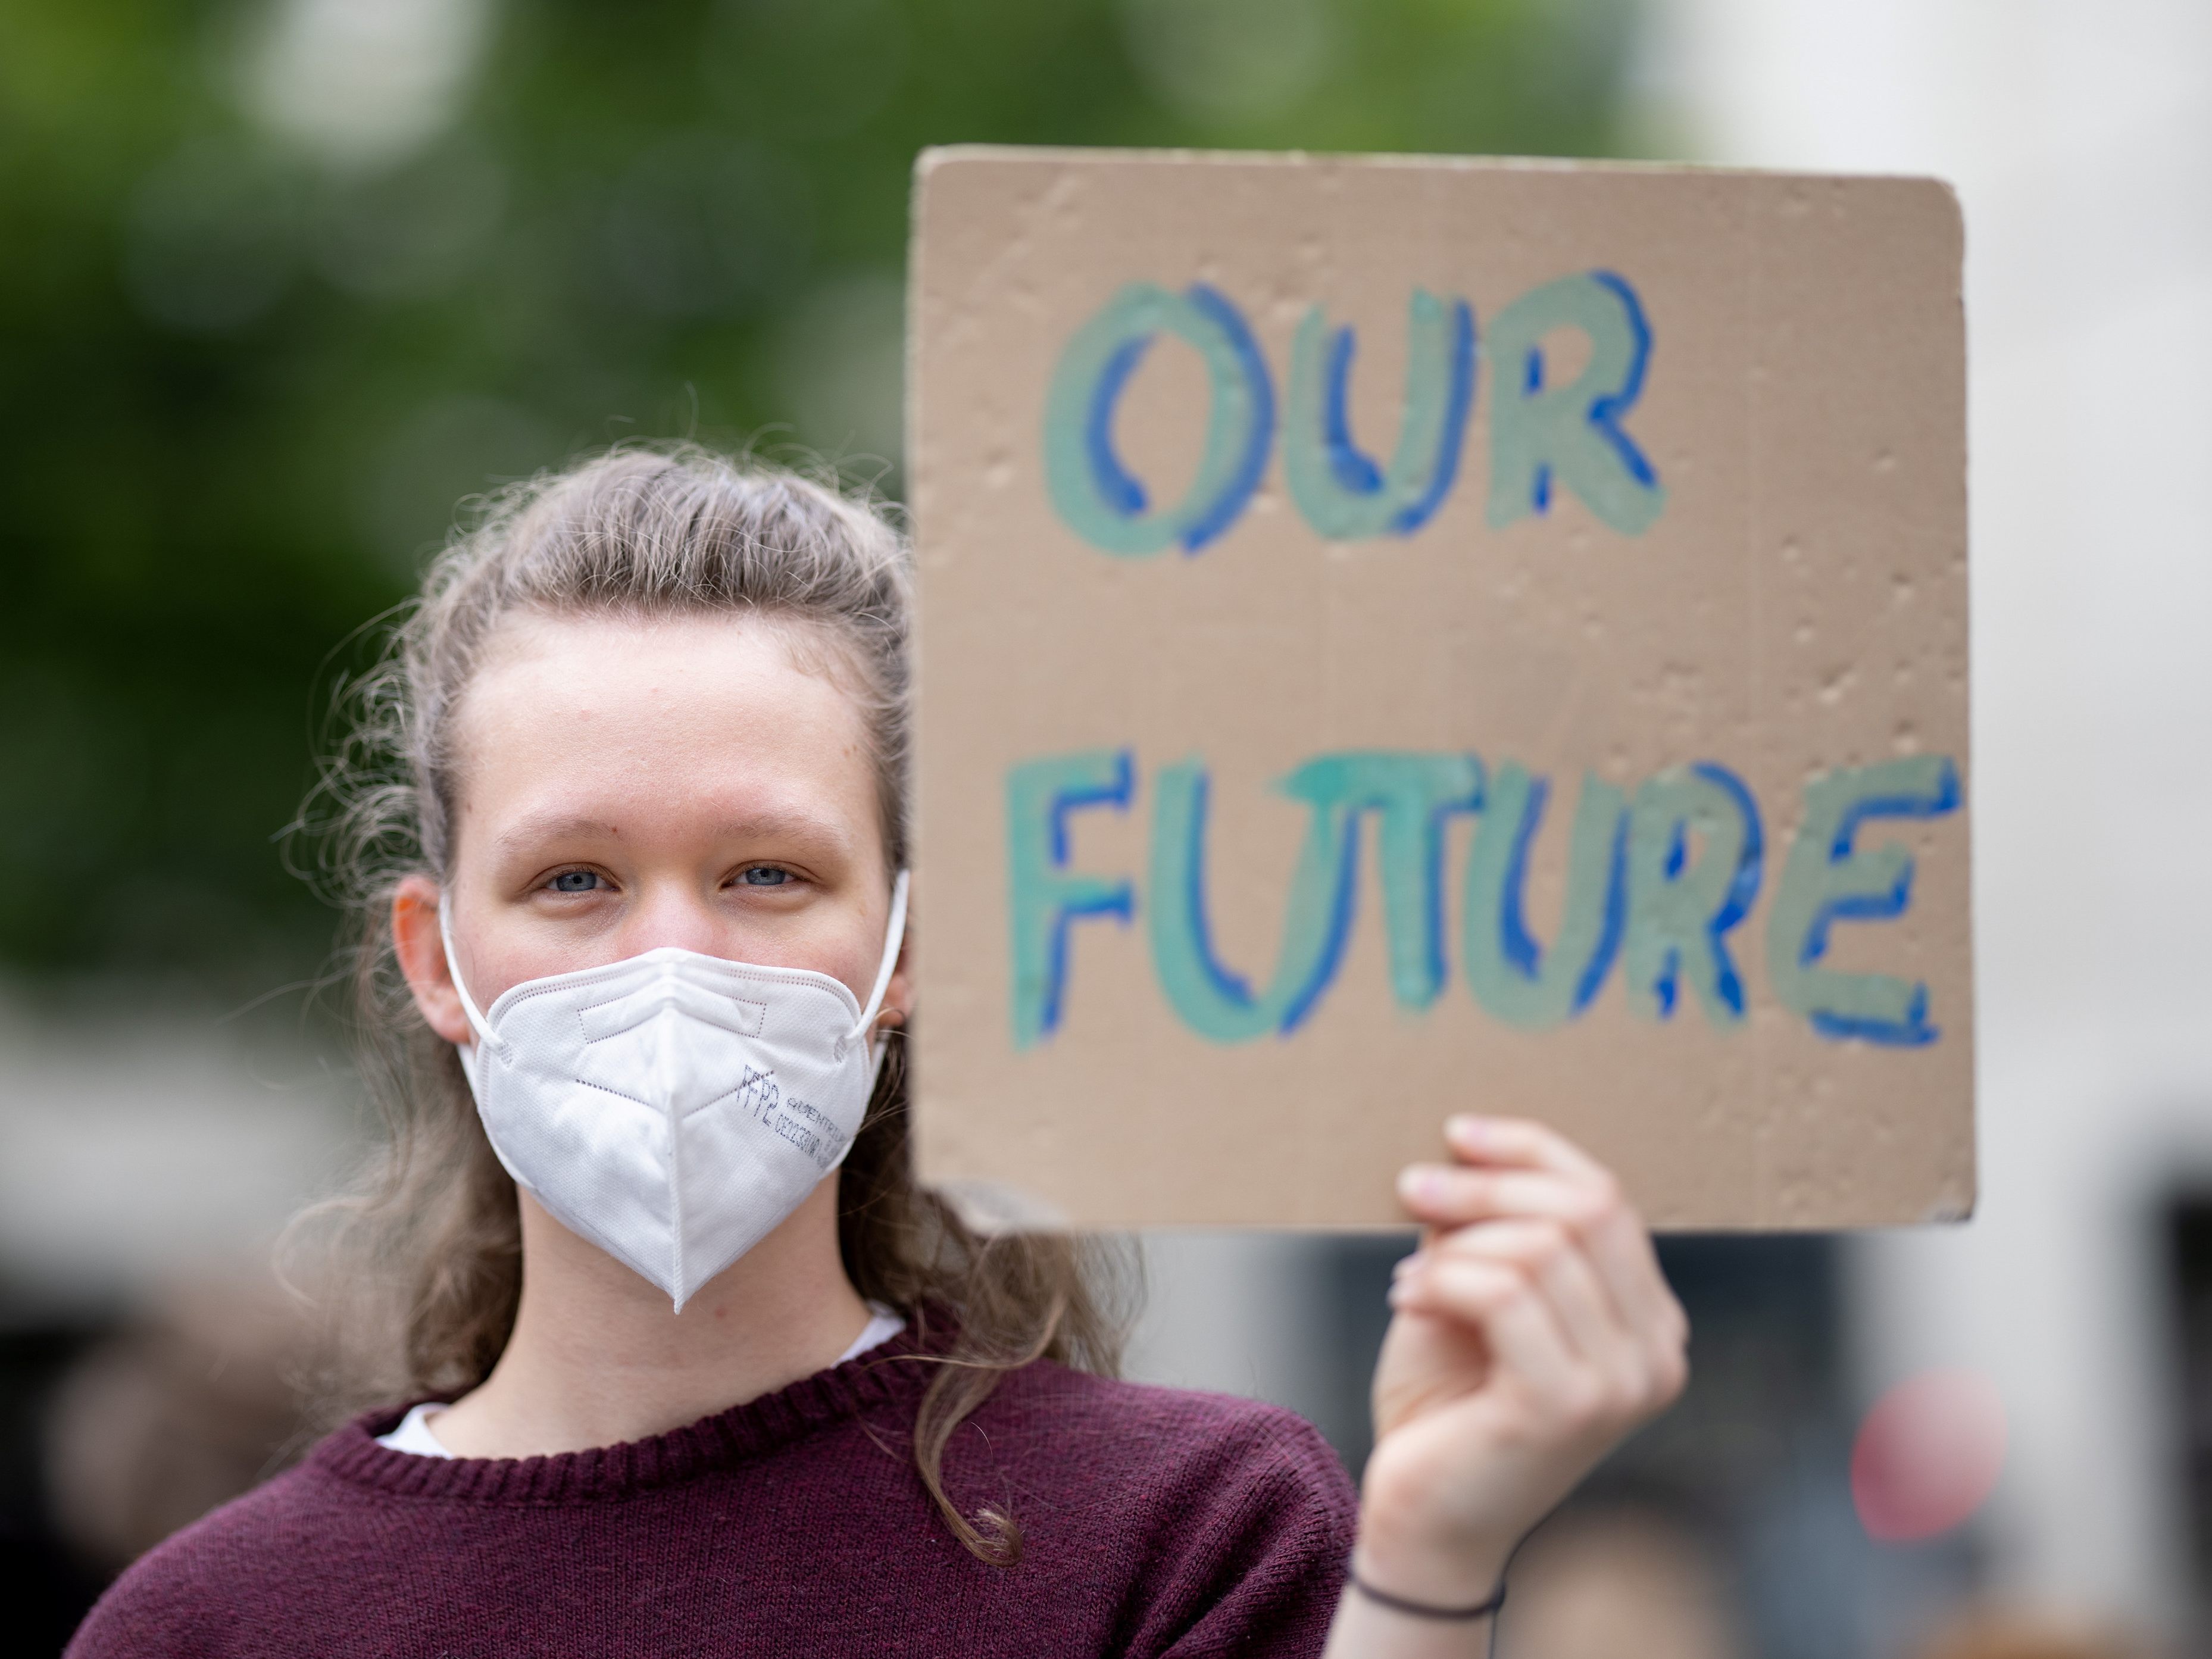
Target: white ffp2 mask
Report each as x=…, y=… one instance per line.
x=674, y=1108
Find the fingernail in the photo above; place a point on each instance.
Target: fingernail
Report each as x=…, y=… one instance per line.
x=1421, y=1183
x=1464, y=1127
x=1405, y=1265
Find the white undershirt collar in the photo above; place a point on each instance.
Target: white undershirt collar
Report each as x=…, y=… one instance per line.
x=413, y=1433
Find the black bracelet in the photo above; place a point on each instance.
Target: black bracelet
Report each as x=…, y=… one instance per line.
x=1424, y=1609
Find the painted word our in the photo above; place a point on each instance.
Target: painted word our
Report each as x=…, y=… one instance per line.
x=1543, y=436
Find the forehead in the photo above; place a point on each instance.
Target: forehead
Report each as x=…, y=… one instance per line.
x=659, y=716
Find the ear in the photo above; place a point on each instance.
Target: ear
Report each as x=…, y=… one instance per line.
x=898, y=995
x=421, y=952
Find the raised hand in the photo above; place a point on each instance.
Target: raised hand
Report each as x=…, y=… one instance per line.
x=1533, y=1331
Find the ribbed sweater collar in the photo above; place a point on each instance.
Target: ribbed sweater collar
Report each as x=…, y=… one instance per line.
x=893, y=1374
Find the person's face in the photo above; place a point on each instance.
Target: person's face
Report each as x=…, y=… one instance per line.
x=623, y=784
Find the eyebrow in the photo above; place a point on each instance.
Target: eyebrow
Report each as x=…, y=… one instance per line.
x=806, y=828
x=548, y=826
x=768, y=824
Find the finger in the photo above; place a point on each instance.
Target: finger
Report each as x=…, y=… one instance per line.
x=1554, y=1260
x=1521, y=1143
x=1454, y=1195
x=1600, y=1336
x=1624, y=1253
x=1521, y=1332
x=1620, y=1245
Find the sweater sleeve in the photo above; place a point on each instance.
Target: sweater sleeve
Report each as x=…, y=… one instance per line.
x=156, y=1610
x=1259, y=1566
x=202, y=1592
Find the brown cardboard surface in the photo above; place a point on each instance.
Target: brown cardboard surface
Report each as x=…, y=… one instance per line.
x=1795, y=610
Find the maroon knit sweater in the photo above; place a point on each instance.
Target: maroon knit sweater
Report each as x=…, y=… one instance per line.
x=1156, y=1522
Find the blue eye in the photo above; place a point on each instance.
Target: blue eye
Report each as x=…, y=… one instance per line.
x=764, y=875
x=575, y=881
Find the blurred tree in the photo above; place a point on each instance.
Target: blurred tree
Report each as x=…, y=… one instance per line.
x=279, y=285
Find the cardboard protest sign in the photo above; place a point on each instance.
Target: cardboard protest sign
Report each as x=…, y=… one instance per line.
x=1401, y=636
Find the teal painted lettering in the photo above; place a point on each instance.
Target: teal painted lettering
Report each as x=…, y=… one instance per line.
x=1094, y=495
x=1544, y=435
x=1212, y=1000
x=1043, y=900
x=1412, y=796
x=1680, y=911
x=1341, y=491
x=1829, y=878
x=1522, y=982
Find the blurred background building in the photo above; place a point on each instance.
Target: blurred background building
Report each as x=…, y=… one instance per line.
x=285, y=280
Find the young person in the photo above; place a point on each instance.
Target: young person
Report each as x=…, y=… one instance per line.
x=688, y=1363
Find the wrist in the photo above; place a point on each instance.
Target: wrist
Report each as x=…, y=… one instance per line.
x=1436, y=1573
x=1467, y=1613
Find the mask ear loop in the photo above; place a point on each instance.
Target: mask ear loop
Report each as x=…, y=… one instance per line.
x=476, y=1022
x=894, y=936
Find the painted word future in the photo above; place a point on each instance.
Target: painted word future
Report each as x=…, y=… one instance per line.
x=1543, y=436
x=1658, y=884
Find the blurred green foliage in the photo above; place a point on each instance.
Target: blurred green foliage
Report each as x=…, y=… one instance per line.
x=279, y=285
